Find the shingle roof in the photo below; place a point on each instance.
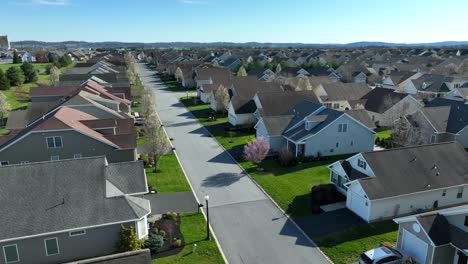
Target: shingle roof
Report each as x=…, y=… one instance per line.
x=362, y=116
x=415, y=169
x=48, y=197
x=275, y=125
x=339, y=91
x=448, y=115
x=379, y=100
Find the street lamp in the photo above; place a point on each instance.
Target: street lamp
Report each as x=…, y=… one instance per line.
x=207, y=197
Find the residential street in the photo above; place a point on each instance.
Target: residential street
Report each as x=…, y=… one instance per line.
x=249, y=227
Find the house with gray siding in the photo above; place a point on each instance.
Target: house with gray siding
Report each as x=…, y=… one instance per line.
x=441, y=120
x=67, y=133
x=56, y=212
x=436, y=237
x=310, y=129
x=386, y=184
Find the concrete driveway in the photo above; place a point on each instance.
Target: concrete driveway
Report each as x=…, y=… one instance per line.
x=248, y=225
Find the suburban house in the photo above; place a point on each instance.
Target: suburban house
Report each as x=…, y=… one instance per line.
x=241, y=107
x=459, y=93
x=26, y=56
x=435, y=237
x=68, y=133
x=397, y=79
x=341, y=96
x=390, y=183
x=429, y=85
x=204, y=77
x=310, y=129
x=262, y=74
x=384, y=106
x=186, y=76
x=441, y=120
x=294, y=72
x=55, y=212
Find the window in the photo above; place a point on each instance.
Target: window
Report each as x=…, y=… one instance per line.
x=4, y=163
x=337, y=144
x=460, y=192
x=52, y=158
x=51, y=246
x=142, y=227
x=77, y=233
x=444, y=192
x=329, y=105
x=77, y=156
x=466, y=220
x=361, y=163
x=342, y=128
x=336, y=106
x=11, y=253
x=54, y=142
x=24, y=162
x=352, y=143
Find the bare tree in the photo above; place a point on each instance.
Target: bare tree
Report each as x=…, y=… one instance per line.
x=5, y=107
x=278, y=68
x=242, y=71
x=148, y=103
x=156, y=140
x=222, y=99
x=303, y=84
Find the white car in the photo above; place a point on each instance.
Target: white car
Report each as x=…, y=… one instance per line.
x=381, y=255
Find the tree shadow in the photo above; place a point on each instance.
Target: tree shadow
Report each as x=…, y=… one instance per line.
x=222, y=179
x=223, y=158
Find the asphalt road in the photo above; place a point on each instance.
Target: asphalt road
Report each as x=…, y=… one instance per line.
x=247, y=224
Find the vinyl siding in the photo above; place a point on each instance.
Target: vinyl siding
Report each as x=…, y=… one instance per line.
x=408, y=226
x=33, y=148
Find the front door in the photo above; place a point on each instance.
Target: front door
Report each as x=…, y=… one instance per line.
x=300, y=150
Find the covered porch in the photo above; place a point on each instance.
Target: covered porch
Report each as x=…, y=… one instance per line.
x=297, y=148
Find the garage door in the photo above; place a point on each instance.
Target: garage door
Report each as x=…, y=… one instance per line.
x=357, y=204
x=414, y=247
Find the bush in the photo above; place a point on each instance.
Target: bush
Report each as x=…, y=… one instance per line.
x=170, y=215
x=177, y=243
x=285, y=157
x=162, y=233
x=30, y=74
x=128, y=240
x=154, y=243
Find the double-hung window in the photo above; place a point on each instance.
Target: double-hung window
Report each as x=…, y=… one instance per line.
x=342, y=128
x=11, y=253
x=460, y=192
x=361, y=164
x=54, y=142
x=51, y=246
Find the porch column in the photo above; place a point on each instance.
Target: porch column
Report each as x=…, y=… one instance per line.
x=296, y=149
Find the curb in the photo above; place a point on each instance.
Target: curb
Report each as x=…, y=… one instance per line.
x=261, y=188
x=193, y=191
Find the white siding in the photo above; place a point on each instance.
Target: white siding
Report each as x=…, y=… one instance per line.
x=356, y=200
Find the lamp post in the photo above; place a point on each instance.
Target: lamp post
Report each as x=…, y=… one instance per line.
x=207, y=197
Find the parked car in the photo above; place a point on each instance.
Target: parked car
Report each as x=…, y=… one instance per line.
x=381, y=255
x=139, y=121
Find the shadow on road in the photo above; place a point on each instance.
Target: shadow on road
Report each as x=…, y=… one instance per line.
x=224, y=158
x=222, y=179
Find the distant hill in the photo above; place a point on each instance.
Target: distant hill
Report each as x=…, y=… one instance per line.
x=115, y=44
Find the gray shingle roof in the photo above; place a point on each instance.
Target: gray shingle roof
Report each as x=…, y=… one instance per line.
x=55, y=196
x=415, y=169
x=339, y=91
x=380, y=100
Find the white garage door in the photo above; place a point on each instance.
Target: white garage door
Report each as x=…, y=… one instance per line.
x=357, y=204
x=414, y=247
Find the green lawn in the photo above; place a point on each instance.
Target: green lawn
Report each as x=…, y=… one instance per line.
x=383, y=133
x=291, y=185
x=37, y=66
x=346, y=246
x=170, y=177
x=229, y=140
x=4, y=131
x=193, y=227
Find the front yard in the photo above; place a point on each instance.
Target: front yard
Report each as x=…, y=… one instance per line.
x=193, y=227
x=346, y=246
x=169, y=178
x=233, y=141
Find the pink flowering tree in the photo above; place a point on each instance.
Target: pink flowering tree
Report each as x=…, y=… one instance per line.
x=256, y=150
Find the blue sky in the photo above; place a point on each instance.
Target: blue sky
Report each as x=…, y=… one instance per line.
x=305, y=21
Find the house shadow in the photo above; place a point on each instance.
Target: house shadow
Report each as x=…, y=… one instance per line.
x=224, y=158
x=222, y=179
x=201, y=131
x=289, y=229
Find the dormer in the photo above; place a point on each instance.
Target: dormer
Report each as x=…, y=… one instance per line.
x=314, y=120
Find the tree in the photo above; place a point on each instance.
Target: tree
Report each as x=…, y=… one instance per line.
x=148, y=103
x=179, y=76
x=30, y=74
x=278, y=68
x=222, y=98
x=5, y=107
x=65, y=60
x=156, y=140
x=242, y=71
x=128, y=240
x=51, y=58
x=54, y=76
x=154, y=243
x=4, y=82
x=15, y=75
x=20, y=94
x=256, y=150
x=16, y=58
x=303, y=84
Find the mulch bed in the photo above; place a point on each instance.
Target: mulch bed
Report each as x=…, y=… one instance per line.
x=172, y=229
